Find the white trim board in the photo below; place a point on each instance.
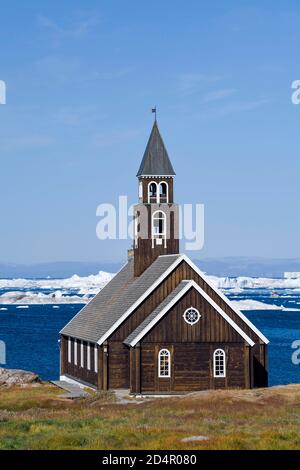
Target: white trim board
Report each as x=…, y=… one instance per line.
x=228, y=302
x=139, y=301
x=165, y=310
x=160, y=280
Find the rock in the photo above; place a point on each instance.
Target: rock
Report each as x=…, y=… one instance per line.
x=195, y=438
x=10, y=377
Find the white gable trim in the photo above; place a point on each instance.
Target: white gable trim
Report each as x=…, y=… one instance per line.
x=160, y=280
x=228, y=302
x=189, y=285
x=140, y=300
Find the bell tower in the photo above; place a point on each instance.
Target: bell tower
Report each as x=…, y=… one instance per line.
x=156, y=215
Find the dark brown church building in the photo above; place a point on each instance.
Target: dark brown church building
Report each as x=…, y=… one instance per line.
x=160, y=326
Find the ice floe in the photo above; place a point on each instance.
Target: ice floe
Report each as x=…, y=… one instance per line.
x=79, y=290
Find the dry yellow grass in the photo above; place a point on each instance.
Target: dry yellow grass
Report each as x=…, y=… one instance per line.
x=37, y=418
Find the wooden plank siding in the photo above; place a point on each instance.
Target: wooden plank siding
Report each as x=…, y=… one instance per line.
x=182, y=272
x=191, y=367
x=117, y=368
x=144, y=253
x=118, y=365
x=212, y=327
x=83, y=374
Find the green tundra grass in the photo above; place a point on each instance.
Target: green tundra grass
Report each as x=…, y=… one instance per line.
x=35, y=417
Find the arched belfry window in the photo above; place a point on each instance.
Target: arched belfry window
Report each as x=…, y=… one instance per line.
x=163, y=192
x=219, y=363
x=159, y=229
x=164, y=363
x=152, y=192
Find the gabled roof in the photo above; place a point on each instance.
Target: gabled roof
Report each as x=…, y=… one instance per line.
x=102, y=315
x=175, y=261
x=156, y=161
x=133, y=338
x=168, y=303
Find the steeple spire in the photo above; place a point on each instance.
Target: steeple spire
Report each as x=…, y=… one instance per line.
x=156, y=161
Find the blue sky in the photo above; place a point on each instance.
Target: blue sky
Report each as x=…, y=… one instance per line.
x=81, y=78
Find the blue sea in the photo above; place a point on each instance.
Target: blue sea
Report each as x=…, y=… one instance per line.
x=31, y=332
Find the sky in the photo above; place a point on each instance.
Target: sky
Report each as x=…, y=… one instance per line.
x=82, y=77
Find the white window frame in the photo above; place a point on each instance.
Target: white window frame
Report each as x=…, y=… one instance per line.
x=219, y=352
x=95, y=358
x=88, y=352
x=69, y=350
x=188, y=322
x=81, y=355
x=140, y=190
x=157, y=194
x=160, y=375
x=167, y=193
x=161, y=235
x=136, y=223
x=75, y=352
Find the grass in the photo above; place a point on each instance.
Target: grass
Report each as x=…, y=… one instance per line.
x=35, y=417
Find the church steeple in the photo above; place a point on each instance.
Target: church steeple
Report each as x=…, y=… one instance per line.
x=156, y=216
x=156, y=161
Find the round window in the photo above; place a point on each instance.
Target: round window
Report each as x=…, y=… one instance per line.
x=191, y=316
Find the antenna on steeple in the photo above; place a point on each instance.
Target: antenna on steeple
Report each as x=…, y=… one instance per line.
x=154, y=111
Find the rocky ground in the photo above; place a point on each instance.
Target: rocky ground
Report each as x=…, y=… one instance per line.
x=11, y=377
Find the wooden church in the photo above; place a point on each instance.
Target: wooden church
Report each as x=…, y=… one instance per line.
x=160, y=326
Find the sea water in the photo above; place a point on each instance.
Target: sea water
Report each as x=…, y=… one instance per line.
x=31, y=332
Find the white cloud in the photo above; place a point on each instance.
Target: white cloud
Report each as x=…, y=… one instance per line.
x=74, y=29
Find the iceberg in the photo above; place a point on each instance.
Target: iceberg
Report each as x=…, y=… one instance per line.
x=79, y=290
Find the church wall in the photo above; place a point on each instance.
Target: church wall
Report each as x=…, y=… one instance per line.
x=191, y=367
x=182, y=272
x=75, y=371
x=118, y=365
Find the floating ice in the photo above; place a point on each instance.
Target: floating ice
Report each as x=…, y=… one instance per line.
x=79, y=290
x=249, y=304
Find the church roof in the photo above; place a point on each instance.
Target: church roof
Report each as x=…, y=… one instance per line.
x=158, y=313
x=106, y=309
x=156, y=161
x=155, y=313
x=124, y=293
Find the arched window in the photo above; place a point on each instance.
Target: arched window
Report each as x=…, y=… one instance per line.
x=158, y=228
x=152, y=192
x=164, y=363
x=163, y=192
x=219, y=363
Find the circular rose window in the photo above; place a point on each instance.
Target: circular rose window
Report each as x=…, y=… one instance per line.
x=191, y=316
